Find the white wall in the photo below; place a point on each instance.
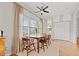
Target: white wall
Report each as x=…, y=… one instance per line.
x=61, y=25
x=6, y=23
x=62, y=22
x=68, y=28
x=62, y=31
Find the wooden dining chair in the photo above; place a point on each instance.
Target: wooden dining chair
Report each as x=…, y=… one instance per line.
x=27, y=44
x=43, y=41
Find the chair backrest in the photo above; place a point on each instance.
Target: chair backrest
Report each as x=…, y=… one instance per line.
x=25, y=41
x=45, y=35
x=49, y=37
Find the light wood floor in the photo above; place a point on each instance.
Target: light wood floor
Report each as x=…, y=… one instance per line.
x=57, y=48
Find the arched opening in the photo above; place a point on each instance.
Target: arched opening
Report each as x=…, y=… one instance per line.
x=75, y=26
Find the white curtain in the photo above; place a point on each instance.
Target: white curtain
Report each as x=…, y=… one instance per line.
x=16, y=40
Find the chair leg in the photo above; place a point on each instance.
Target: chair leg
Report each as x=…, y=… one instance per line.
x=47, y=46
x=23, y=49
x=34, y=47
x=43, y=47
x=49, y=42
x=27, y=50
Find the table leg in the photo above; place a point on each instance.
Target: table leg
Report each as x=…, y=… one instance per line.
x=38, y=45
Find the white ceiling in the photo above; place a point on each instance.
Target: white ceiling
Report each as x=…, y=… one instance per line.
x=55, y=8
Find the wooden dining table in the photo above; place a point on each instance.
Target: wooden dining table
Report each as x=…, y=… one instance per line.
x=37, y=38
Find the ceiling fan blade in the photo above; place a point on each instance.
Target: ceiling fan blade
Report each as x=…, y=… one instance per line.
x=38, y=8
x=45, y=7
x=46, y=11
x=37, y=11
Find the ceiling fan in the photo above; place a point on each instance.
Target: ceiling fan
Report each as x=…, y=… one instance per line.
x=42, y=9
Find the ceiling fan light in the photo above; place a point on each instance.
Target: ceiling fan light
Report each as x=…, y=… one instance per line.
x=41, y=13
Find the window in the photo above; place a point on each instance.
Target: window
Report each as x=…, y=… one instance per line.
x=29, y=26
x=33, y=27
x=25, y=26
x=49, y=23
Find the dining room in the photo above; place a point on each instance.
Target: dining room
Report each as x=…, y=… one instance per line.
x=39, y=28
